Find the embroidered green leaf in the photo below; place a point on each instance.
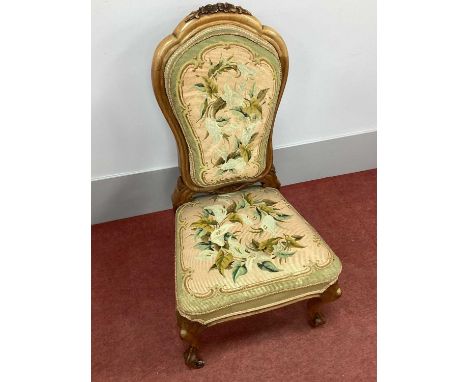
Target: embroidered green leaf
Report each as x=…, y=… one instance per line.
x=223, y=261
x=231, y=208
x=214, y=69
x=240, y=110
x=238, y=271
x=218, y=211
x=249, y=198
x=261, y=94
x=283, y=255
x=268, y=266
x=265, y=208
x=203, y=245
x=219, y=162
x=267, y=245
x=218, y=105
x=206, y=223
x=200, y=87
x=221, y=67
x=281, y=217
x=252, y=109
x=254, y=135
x=245, y=153
x=257, y=230
x=258, y=213
x=233, y=155
x=235, y=218
x=205, y=106
x=255, y=244
x=291, y=241
x=210, y=86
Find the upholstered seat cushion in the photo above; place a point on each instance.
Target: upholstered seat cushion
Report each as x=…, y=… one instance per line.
x=244, y=252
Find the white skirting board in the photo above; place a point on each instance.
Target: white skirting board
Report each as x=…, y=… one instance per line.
x=149, y=191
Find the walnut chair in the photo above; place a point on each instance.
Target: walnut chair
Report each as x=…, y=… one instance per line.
x=241, y=248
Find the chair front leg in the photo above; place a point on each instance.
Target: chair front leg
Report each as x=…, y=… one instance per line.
x=189, y=332
x=314, y=305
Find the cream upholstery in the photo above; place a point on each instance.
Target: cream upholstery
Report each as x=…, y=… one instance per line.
x=244, y=252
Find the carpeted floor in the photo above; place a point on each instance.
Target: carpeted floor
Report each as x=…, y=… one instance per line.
x=134, y=333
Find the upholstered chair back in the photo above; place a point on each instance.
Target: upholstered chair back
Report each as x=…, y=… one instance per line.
x=218, y=80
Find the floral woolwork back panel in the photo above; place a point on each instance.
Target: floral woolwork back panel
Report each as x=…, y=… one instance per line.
x=223, y=86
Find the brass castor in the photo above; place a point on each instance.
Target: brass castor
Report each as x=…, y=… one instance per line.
x=191, y=358
x=317, y=320
x=314, y=305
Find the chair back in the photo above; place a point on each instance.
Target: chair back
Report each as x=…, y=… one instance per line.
x=218, y=79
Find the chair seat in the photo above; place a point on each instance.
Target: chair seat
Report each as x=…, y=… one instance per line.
x=245, y=252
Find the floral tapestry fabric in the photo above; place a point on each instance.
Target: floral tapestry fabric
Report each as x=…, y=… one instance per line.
x=244, y=246
x=223, y=86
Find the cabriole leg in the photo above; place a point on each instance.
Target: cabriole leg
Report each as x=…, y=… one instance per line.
x=189, y=332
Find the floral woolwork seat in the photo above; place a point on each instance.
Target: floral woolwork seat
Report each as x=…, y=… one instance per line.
x=244, y=252
x=241, y=248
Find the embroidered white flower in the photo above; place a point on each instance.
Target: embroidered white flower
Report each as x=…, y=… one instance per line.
x=248, y=132
x=237, y=248
x=254, y=258
x=268, y=223
x=233, y=98
x=207, y=255
x=213, y=129
x=217, y=236
x=278, y=248
x=246, y=71
x=245, y=219
x=236, y=164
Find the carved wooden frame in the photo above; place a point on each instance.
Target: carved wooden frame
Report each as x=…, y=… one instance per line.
x=205, y=17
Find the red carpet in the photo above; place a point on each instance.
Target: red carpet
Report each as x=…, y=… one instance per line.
x=134, y=332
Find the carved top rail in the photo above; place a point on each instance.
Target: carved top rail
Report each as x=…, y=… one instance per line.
x=210, y=9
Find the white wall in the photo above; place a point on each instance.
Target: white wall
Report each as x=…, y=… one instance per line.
x=331, y=90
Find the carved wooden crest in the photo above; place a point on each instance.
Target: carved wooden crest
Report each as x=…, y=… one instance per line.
x=215, y=8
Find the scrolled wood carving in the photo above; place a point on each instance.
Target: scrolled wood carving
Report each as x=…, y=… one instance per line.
x=210, y=9
x=270, y=179
x=182, y=194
